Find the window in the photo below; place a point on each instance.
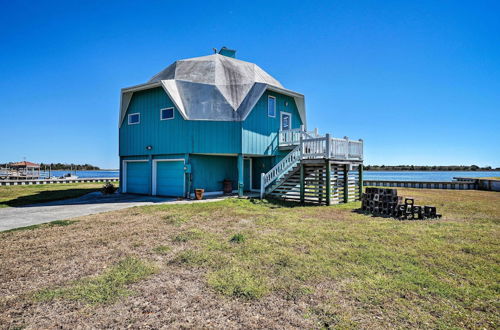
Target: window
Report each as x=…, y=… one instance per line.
x=167, y=113
x=134, y=118
x=286, y=121
x=271, y=106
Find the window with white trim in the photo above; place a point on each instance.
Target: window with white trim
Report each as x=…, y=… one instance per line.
x=134, y=118
x=167, y=113
x=271, y=106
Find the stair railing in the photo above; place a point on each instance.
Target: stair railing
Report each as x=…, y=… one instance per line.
x=279, y=169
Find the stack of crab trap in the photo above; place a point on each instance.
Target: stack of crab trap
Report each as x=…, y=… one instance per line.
x=386, y=202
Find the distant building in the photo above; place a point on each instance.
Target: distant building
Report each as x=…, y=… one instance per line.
x=22, y=171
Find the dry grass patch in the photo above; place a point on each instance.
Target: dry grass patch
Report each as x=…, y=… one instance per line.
x=250, y=263
x=103, y=288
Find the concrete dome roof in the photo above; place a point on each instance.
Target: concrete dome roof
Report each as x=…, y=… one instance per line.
x=215, y=87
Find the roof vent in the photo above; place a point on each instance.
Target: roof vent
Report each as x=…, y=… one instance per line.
x=227, y=52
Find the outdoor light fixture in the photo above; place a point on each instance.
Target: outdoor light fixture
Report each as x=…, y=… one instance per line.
x=149, y=148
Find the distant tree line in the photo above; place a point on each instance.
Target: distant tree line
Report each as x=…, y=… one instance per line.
x=61, y=167
x=428, y=168
x=78, y=167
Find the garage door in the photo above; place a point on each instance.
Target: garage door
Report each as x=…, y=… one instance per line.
x=137, y=177
x=170, y=178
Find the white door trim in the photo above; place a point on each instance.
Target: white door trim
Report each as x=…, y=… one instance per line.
x=281, y=119
x=153, y=177
x=124, y=170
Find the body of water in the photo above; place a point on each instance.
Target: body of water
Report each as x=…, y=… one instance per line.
x=88, y=174
x=425, y=175
x=367, y=175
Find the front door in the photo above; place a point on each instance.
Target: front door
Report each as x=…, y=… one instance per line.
x=247, y=174
x=286, y=121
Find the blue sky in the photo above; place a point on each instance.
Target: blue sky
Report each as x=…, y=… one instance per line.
x=419, y=81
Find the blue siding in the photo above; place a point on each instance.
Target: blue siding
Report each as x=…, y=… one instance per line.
x=210, y=171
x=175, y=135
x=260, y=132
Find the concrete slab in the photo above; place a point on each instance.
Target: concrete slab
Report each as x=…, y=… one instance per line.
x=95, y=202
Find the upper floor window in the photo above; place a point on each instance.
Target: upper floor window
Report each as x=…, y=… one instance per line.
x=271, y=106
x=134, y=118
x=167, y=113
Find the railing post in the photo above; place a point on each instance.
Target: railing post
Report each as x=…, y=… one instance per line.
x=346, y=147
x=262, y=188
x=362, y=147
x=327, y=146
x=301, y=147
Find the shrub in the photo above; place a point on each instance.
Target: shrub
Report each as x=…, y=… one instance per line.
x=237, y=238
x=108, y=189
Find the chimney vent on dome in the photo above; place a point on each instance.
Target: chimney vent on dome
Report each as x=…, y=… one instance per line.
x=227, y=52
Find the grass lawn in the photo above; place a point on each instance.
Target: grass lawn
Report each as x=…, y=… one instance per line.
x=251, y=263
x=24, y=195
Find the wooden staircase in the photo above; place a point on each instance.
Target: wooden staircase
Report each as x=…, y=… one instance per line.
x=320, y=171
x=286, y=187
x=320, y=182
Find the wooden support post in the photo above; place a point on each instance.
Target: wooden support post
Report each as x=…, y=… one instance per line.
x=302, y=183
x=328, y=182
x=346, y=183
x=360, y=183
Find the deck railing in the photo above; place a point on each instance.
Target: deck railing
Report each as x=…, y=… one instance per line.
x=291, y=137
x=332, y=148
